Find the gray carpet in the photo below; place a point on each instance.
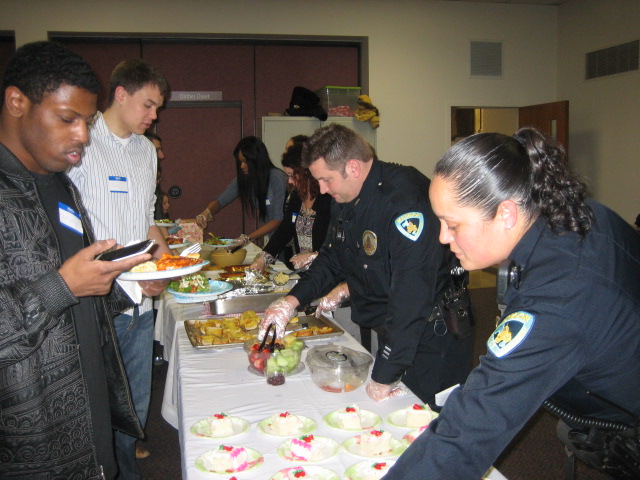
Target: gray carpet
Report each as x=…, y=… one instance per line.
x=534, y=454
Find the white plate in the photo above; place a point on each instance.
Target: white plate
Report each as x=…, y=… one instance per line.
x=412, y=435
x=329, y=448
x=308, y=426
x=312, y=471
x=399, y=418
x=167, y=224
x=216, y=288
x=201, y=428
x=175, y=246
x=368, y=419
x=357, y=471
x=351, y=446
x=255, y=459
x=226, y=244
x=162, y=274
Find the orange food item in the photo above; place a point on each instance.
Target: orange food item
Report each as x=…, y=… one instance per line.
x=171, y=262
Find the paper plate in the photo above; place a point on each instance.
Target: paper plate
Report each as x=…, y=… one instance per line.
x=351, y=446
x=165, y=224
x=162, y=274
x=216, y=288
x=311, y=471
x=201, y=428
x=368, y=419
x=255, y=459
x=360, y=470
x=399, y=419
x=308, y=426
x=328, y=448
x=226, y=243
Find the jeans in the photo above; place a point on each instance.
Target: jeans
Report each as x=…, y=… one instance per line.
x=135, y=339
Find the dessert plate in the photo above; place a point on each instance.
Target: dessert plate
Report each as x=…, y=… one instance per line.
x=352, y=446
x=225, y=244
x=368, y=419
x=308, y=426
x=308, y=471
x=201, y=428
x=328, y=448
x=254, y=460
x=399, y=419
x=161, y=274
x=367, y=469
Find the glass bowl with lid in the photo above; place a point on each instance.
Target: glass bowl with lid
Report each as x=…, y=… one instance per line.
x=338, y=369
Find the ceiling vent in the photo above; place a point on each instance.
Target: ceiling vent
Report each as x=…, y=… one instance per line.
x=612, y=60
x=486, y=59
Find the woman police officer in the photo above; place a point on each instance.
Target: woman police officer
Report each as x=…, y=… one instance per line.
x=571, y=326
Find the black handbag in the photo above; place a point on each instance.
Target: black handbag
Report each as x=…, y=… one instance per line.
x=305, y=103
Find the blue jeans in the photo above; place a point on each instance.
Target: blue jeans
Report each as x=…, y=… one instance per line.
x=135, y=339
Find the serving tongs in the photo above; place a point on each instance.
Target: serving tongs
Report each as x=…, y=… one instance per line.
x=272, y=346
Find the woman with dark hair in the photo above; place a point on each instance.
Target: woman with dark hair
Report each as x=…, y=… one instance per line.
x=259, y=184
x=306, y=218
x=570, y=329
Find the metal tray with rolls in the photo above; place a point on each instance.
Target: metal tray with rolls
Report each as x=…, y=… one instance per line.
x=201, y=335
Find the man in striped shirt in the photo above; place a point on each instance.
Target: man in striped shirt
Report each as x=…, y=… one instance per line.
x=117, y=181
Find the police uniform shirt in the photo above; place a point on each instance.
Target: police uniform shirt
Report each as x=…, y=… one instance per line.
x=572, y=324
x=385, y=243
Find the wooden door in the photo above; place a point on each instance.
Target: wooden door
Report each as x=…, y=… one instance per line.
x=550, y=118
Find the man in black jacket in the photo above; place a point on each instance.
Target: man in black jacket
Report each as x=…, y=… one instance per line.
x=62, y=384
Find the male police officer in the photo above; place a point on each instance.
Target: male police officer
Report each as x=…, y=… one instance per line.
x=384, y=241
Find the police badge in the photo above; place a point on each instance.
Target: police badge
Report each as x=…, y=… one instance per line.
x=369, y=242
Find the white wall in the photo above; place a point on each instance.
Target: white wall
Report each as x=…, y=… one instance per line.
x=604, y=113
x=418, y=52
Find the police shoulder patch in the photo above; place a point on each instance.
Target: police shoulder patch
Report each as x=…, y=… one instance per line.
x=410, y=224
x=510, y=333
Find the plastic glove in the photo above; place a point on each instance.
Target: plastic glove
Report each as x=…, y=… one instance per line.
x=303, y=259
x=331, y=300
x=203, y=218
x=261, y=261
x=279, y=312
x=381, y=392
x=241, y=241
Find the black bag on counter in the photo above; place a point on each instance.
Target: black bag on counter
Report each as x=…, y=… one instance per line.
x=305, y=103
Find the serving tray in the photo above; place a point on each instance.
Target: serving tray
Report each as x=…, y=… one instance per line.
x=202, y=337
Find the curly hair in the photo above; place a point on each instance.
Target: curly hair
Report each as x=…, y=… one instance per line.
x=306, y=185
x=135, y=74
x=254, y=186
x=488, y=168
x=40, y=68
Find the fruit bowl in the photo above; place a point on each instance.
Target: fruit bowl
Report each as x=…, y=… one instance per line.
x=285, y=358
x=337, y=369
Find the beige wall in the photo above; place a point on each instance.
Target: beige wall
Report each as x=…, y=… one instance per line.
x=418, y=56
x=604, y=115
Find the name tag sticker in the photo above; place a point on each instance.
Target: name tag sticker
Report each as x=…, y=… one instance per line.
x=268, y=202
x=293, y=217
x=69, y=218
x=118, y=184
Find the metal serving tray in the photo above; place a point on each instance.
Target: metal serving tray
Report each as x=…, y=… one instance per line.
x=231, y=303
x=193, y=329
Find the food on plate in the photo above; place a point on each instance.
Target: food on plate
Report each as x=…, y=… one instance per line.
x=285, y=423
x=174, y=240
x=368, y=470
x=374, y=443
x=313, y=330
x=412, y=435
x=167, y=262
x=164, y=220
x=195, y=283
x=213, y=240
x=306, y=448
x=349, y=418
x=225, y=276
x=226, y=459
x=220, y=425
x=280, y=278
x=306, y=473
x=418, y=415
